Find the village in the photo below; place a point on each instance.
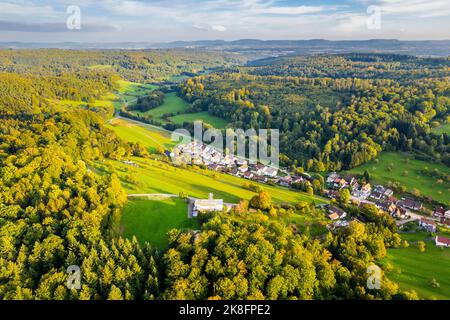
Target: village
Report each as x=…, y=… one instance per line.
x=404, y=210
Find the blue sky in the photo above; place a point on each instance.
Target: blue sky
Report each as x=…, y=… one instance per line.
x=169, y=20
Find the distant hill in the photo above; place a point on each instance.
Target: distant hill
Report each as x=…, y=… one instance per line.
x=269, y=47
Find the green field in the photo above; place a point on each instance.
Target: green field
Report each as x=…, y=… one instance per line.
x=203, y=116
x=150, y=137
x=172, y=104
x=150, y=220
x=130, y=91
x=406, y=170
x=414, y=270
x=158, y=177
x=445, y=128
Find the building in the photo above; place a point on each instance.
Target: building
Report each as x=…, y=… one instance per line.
x=442, y=241
x=207, y=205
x=409, y=204
x=243, y=169
x=445, y=222
x=335, y=181
x=335, y=213
x=363, y=193
x=269, y=172
x=248, y=175
x=439, y=212
x=427, y=224
x=286, y=181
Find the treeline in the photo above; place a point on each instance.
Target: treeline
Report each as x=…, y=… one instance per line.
x=330, y=123
x=144, y=66
x=353, y=65
x=151, y=101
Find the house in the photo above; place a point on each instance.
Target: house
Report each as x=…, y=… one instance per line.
x=243, y=169
x=258, y=169
x=442, y=241
x=366, y=189
x=363, y=193
x=387, y=206
x=335, y=213
x=427, y=224
x=207, y=205
x=380, y=192
x=269, y=172
x=286, y=181
x=400, y=213
x=241, y=162
x=410, y=204
x=234, y=172
x=377, y=195
x=297, y=180
x=259, y=178
x=214, y=167
x=335, y=181
x=388, y=193
x=439, y=212
x=334, y=194
x=332, y=177
x=445, y=222
x=351, y=179
x=248, y=175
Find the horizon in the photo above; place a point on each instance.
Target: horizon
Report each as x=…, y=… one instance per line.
x=229, y=41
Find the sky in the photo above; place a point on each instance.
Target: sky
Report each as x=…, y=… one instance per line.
x=99, y=21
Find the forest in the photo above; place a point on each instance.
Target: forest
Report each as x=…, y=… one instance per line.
x=56, y=210
x=335, y=112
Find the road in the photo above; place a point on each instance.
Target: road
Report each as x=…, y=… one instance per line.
x=413, y=216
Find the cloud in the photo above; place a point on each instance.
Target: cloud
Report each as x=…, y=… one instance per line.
x=421, y=8
x=26, y=10
x=294, y=10
x=50, y=27
x=219, y=28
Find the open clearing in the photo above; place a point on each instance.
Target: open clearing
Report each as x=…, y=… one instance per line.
x=130, y=91
x=172, y=104
x=150, y=220
x=150, y=137
x=407, y=171
x=202, y=116
x=414, y=270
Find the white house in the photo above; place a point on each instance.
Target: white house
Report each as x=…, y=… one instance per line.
x=442, y=241
x=427, y=224
x=269, y=172
x=207, y=205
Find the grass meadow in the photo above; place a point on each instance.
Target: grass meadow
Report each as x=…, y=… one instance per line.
x=394, y=166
